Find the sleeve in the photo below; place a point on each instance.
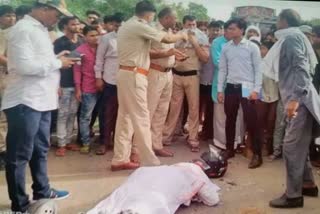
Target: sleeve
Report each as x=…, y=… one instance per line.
x=208, y=194
x=101, y=51
x=294, y=50
x=57, y=45
x=223, y=70
x=77, y=74
x=256, y=58
x=215, y=51
x=148, y=32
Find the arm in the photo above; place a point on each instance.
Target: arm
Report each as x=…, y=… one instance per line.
x=27, y=62
x=3, y=60
x=173, y=38
x=101, y=51
x=158, y=54
x=295, y=52
x=256, y=58
x=202, y=52
x=223, y=72
x=216, y=52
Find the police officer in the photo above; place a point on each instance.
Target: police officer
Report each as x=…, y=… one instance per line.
x=134, y=42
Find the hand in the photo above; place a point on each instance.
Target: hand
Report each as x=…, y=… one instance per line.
x=67, y=62
x=99, y=84
x=253, y=96
x=60, y=93
x=63, y=53
x=184, y=36
x=220, y=97
x=292, y=108
x=78, y=95
x=192, y=37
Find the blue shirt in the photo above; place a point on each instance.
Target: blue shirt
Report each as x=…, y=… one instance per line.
x=240, y=64
x=215, y=50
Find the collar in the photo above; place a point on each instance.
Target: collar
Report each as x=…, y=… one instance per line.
x=243, y=41
x=33, y=21
x=139, y=19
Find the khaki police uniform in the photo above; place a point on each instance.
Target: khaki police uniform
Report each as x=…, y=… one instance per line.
x=159, y=90
x=134, y=42
x=185, y=82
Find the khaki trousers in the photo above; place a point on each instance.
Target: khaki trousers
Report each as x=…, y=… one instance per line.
x=133, y=118
x=159, y=96
x=189, y=86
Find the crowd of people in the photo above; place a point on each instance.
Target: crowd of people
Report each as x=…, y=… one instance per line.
x=145, y=81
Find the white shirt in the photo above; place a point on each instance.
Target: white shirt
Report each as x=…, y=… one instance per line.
x=107, y=64
x=160, y=190
x=34, y=75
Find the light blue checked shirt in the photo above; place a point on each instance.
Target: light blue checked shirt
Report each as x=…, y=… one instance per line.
x=240, y=64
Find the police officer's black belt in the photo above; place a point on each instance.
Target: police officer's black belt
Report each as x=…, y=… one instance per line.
x=185, y=73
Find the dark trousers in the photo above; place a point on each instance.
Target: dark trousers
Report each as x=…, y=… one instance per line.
x=109, y=112
x=233, y=98
x=266, y=113
x=206, y=109
x=27, y=142
x=96, y=114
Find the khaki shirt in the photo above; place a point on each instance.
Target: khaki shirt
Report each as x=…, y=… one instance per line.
x=134, y=42
x=167, y=62
x=3, y=48
x=192, y=63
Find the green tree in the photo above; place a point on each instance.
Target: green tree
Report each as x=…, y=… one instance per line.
x=198, y=11
x=312, y=22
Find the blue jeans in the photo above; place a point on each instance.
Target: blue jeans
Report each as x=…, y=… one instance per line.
x=68, y=107
x=27, y=142
x=87, y=105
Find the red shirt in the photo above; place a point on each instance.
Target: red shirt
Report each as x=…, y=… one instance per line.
x=84, y=75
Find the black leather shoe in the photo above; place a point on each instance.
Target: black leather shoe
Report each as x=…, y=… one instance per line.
x=255, y=162
x=311, y=192
x=285, y=202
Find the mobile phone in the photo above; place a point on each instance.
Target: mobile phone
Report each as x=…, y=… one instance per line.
x=75, y=55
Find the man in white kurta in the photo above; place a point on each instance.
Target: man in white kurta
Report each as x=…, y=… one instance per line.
x=148, y=191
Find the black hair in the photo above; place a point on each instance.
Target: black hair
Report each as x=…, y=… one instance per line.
x=95, y=22
x=107, y=19
x=88, y=28
x=165, y=12
x=65, y=21
x=5, y=9
x=292, y=17
x=215, y=24
x=267, y=44
x=188, y=18
x=143, y=7
x=241, y=23
x=23, y=10
x=316, y=30
x=92, y=12
x=118, y=17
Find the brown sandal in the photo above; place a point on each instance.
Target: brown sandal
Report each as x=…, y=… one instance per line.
x=195, y=149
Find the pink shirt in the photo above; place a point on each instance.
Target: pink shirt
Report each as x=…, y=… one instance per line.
x=84, y=75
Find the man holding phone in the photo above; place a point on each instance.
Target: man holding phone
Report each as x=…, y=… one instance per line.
x=31, y=95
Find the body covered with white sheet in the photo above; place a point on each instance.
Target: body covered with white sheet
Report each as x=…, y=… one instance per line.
x=160, y=190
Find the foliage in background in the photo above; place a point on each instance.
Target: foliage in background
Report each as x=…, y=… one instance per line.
x=107, y=7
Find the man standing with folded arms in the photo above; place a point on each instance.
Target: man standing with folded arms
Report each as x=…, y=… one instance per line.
x=30, y=96
x=160, y=80
x=134, y=43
